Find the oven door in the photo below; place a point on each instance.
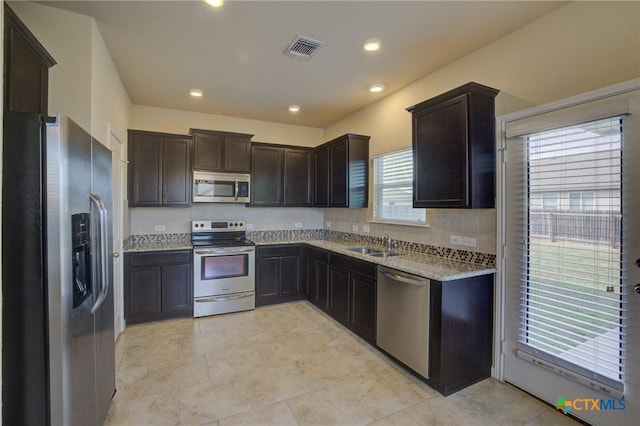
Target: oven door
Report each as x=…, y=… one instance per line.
x=219, y=271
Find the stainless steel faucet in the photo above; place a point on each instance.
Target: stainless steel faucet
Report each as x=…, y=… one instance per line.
x=389, y=242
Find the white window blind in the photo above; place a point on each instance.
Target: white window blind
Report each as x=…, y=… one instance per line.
x=393, y=189
x=572, y=292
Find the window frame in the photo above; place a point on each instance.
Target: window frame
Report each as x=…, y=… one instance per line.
x=377, y=199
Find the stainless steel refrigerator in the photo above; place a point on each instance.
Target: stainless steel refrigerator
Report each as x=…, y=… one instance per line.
x=58, y=341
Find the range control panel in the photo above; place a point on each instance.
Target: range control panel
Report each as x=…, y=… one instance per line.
x=217, y=225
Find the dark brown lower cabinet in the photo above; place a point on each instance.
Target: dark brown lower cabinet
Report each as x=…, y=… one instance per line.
x=352, y=294
x=363, y=303
x=339, y=294
x=157, y=285
x=278, y=274
x=317, y=276
x=461, y=340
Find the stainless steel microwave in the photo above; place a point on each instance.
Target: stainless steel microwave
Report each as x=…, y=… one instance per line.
x=221, y=187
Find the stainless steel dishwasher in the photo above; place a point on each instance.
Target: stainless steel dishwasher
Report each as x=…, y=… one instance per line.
x=403, y=318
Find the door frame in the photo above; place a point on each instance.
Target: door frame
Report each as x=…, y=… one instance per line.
x=502, y=154
x=116, y=142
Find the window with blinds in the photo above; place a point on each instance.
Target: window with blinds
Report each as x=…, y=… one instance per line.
x=572, y=295
x=393, y=189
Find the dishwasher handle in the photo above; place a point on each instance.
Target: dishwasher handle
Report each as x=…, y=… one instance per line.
x=406, y=279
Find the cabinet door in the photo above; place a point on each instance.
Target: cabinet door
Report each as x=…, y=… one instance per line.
x=144, y=293
x=208, y=152
x=321, y=168
x=440, y=154
x=176, y=172
x=145, y=170
x=266, y=176
x=311, y=282
x=338, y=177
x=176, y=288
x=289, y=276
x=363, y=306
x=322, y=274
x=267, y=278
x=339, y=294
x=237, y=154
x=27, y=66
x=297, y=177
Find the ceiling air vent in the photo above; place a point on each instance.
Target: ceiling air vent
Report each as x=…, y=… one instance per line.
x=303, y=47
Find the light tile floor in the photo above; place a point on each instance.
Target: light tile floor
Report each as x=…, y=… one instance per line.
x=289, y=365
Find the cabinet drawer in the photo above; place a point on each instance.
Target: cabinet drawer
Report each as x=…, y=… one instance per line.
x=159, y=258
x=362, y=267
x=278, y=250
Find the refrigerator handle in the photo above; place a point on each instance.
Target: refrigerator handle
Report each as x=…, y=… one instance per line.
x=104, y=274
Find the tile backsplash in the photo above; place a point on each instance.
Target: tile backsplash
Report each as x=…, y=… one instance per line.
x=178, y=220
x=441, y=223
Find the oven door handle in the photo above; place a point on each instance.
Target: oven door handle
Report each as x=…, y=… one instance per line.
x=223, y=251
x=224, y=299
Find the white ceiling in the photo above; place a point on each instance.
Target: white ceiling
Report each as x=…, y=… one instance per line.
x=235, y=54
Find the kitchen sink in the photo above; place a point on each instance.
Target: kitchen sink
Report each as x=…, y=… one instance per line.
x=385, y=254
x=372, y=251
x=365, y=250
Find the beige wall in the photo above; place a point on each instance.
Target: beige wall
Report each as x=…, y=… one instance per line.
x=84, y=84
x=580, y=47
x=67, y=37
x=174, y=121
x=110, y=104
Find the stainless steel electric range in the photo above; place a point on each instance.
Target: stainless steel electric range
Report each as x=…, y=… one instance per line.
x=223, y=267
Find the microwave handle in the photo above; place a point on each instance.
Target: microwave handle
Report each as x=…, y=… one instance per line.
x=236, y=189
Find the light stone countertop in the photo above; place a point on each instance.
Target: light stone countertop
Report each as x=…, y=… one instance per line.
x=423, y=265
x=157, y=246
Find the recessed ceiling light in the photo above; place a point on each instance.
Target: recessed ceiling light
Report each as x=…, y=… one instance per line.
x=371, y=44
x=196, y=93
x=294, y=108
x=376, y=88
x=214, y=3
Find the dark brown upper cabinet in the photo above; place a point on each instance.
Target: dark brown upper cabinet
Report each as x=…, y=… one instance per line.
x=215, y=151
x=266, y=175
x=454, y=149
x=342, y=172
x=159, y=169
x=298, y=177
x=26, y=68
x=280, y=176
